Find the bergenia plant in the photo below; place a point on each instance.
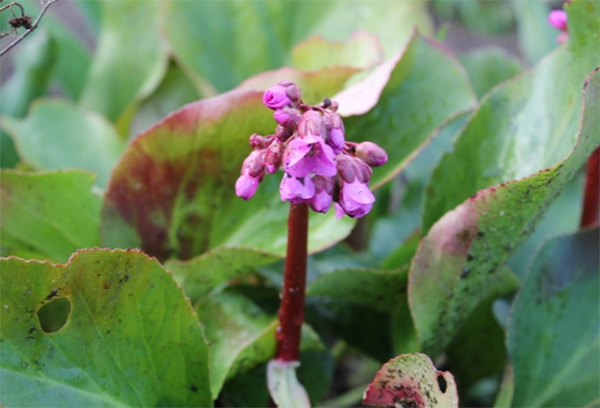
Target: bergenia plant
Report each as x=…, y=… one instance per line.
x=319, y=167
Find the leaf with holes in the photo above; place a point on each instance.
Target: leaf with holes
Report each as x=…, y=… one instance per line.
x=52, y=214
x=411, y=380
x=130, y=338
x=173, y=192
x=554, y=336
x=519, y=129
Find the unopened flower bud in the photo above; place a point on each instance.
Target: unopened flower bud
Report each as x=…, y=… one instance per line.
x=291, y=90
x=335, y=131
x=371, y=154
x=363, y=171
x=345, y=168
x=311, y=123
x=274, y=157
x=254, y=164
x=283, y=133
x=334, y=106
x=287, y=117
x=257, y=141
x=558, y=19
x=276, y=97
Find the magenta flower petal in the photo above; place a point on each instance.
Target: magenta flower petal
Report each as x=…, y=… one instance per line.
x=339, y=211
x=321, y=202
x=558, y=19
x=336, y=140
x=296, y=190
x=246, y=186
x=310, y=155
x=356, y=199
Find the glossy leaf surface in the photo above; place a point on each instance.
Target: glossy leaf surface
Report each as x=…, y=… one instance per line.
x=524, y=131
x=131, y=338
x=554, y=334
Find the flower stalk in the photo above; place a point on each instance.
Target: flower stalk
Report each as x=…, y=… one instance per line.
x=591, y=198
x=291, y=311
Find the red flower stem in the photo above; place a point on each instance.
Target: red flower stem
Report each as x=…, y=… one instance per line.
x=591, y=198
x=291, y=311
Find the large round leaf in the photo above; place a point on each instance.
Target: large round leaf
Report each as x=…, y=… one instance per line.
x=520, y=128
x=131, y=338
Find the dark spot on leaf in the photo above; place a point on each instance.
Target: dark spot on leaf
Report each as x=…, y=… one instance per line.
x=194, y=388
x=465, y=273
x=470, y=257
x=53, y=293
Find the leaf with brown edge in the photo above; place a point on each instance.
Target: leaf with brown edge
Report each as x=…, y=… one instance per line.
x=129, y=336
x=457, y=263
x=173, y=195
x=315, y=85
x=411, y=380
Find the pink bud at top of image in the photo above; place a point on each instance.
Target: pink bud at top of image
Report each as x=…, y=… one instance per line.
x=558, y=19
x=276, y=97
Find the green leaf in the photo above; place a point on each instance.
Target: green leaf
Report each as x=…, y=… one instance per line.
x=58, y=135
x=34, y=63
x=315, y=85
x=381, y=290
x=362, y=50
x=130, y=60
x=411, y=380
x=553, y=336
x=213, y=269
x=478, y=350
x=53, y=214
x=131, y=338
x=400, y=107
x=73, y=59
x=240, y=333
x=173, y=192
x=211, y=39
x=488, y=67
x=174, y=91
x=524, y=130
x=536, y=36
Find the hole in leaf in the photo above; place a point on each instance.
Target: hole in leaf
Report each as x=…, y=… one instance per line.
x=442, y=383
x=54, y=315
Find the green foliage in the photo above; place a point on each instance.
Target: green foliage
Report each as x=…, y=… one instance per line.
x=131, y=338
x=142, y=142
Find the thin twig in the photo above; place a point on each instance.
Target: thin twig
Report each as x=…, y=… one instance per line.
x=27, y=32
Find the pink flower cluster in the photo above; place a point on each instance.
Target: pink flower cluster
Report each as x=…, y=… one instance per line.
x=558, y=19
x=320, y=166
